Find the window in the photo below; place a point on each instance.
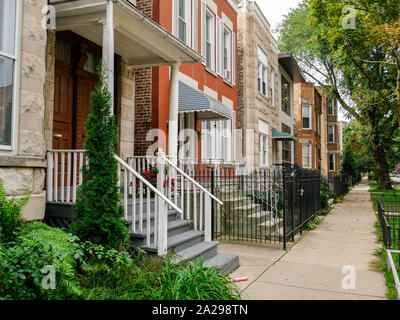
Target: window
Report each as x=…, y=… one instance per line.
x=272, y=89
x=286, y=146
x=331, y=133
x=262, y=78
x=331, y=110
x=331, y=162
x=306, y=155
x=286, y=96
x=263, y=145
x=8, y=60
x=306, y=117
x=224, y=133
x=227, y=54
x=182, y=20
x=206, y=140
x=209, y=41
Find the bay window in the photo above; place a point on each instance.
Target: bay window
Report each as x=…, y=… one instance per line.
x=331, y=162
x=306, y=115
x=306, y=155
x=331, y=133
x=286, y=96
x=8, y=61
x=272, y=92
x=227, y=54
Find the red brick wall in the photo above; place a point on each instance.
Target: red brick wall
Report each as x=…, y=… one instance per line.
x=143, y=95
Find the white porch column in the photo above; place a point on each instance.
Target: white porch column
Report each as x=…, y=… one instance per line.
x=108, y=50
x=173, y=113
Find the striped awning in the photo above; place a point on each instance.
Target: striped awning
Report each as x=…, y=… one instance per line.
x=276, y=135
x=206, y=107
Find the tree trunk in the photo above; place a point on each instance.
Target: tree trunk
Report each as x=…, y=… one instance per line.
x=382, y=166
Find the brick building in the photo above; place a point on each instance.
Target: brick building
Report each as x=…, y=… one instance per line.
x=207, y=92
x=308, y=110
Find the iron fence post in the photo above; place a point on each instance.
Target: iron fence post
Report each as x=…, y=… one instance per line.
x=284, y=207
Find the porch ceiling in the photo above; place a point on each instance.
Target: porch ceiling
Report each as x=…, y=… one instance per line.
x=138, y=38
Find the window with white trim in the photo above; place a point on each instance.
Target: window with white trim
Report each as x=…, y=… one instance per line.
x=8, y=61
x=225, y=140
x=331, y=133
x=227, y=63
x=263, y=146
x=306, y=155
x=306, y=117
x=331, y=162
x=206, y=140
x=272, y=89
x=182, y=23
x=331, y=110
x=209, y=40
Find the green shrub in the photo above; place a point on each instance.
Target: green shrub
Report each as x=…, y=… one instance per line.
x=11, y=221
x=22, y=263
x=97, y=211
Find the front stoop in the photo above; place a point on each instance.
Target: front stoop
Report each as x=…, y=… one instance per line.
x=186, y=243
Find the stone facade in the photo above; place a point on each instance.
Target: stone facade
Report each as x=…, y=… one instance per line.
x=254, y=107
x=22, y=170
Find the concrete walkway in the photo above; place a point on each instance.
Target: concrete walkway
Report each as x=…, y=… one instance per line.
x=312, y=268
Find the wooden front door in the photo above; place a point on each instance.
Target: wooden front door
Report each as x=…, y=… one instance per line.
x=63, y=118
x=86, y=83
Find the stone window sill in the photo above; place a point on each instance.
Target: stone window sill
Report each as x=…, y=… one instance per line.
x=212, y=72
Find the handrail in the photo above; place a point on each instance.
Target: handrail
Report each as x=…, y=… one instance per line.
x=392, y=267
x=193, y=181
x=148, y=184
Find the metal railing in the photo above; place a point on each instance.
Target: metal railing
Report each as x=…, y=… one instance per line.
x=389, y=220
x=64, y=177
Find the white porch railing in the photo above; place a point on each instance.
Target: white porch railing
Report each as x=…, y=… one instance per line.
x=188, y=194
x=64, y=176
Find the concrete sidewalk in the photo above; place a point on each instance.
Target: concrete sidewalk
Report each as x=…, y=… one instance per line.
x=312, y=268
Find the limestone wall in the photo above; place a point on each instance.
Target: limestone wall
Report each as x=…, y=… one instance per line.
x=23, y=169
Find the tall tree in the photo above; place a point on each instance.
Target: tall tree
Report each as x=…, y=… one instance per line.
x=98, y=213
x=335, y=56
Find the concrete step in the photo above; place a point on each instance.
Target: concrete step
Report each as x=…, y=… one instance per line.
x=226, y=262
x=203, y=250
x=172, y=216
x=175, y=227
x=184, y=240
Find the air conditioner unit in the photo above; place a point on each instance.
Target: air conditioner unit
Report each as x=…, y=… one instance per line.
x=227, y=74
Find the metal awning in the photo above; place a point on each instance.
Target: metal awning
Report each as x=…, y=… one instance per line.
x=207, y=108
x=138, y=38
x=280, y=136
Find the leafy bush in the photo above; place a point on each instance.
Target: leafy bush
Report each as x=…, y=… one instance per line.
x=97, y=212
x=11, y=221
x=21, y=265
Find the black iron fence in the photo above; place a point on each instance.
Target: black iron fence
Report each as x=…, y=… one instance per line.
x=265, y=206
x=389, y=220
x=339, y=184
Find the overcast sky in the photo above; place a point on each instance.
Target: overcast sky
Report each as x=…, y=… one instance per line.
x=274, y=10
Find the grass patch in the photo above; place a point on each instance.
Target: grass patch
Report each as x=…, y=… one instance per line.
x=381, y=263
